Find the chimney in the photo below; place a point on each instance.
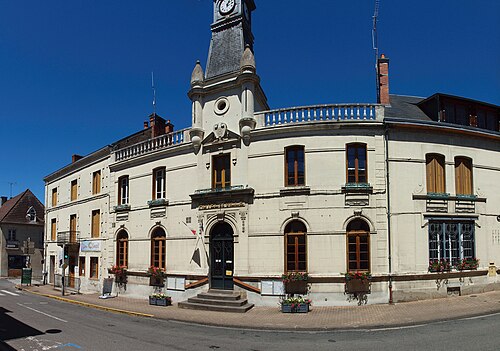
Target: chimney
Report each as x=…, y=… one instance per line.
x=157, y=125
x=169, y=127
x=146, y=124
x=383, y=80
x=3, y=200
x=75, y=158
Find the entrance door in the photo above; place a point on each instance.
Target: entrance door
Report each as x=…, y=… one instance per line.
x=221, y=257
x=52, y=268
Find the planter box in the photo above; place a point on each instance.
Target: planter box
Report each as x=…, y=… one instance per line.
x=296, y=287
x=152, y=301
x=300, y=308
x=159, y=302
x=356, y=286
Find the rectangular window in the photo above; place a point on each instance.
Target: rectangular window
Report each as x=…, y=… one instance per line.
x=94, y=267
x=451, y=241
x=96, y=223
x=356, y=164
x=221, y=176
x=53, y=229
x=96, y=182
x=54, y=197
x=72, y=228
x=12, y=235
x=81, y=266
x=295, y=170
x=123, y=190
x=74, y=190
x=159, y=191
x=435, y=173
x=463, y=176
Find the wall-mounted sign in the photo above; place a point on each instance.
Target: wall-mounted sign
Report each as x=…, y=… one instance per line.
x=90, y=246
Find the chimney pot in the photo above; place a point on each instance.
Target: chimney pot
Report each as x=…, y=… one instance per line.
x=75, y=158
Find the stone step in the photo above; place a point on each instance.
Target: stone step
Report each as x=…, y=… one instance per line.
x=216, y=295
x=207, y=301
x=219, y=308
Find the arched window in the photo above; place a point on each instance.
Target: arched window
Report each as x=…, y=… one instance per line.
x=295, y=247
x=358, y=246
x=435, y=173
x=463, y=176
x=122, y=248
x=158, y=241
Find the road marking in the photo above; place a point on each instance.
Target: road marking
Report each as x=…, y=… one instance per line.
x=10, y=293
x=2, y=294
x=45, y=314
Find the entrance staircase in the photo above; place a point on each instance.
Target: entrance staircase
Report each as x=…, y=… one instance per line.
x=218, y=300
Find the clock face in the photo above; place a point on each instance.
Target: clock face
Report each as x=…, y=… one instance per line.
x=226, y=6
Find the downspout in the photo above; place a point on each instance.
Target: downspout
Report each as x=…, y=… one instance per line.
x=388, y=192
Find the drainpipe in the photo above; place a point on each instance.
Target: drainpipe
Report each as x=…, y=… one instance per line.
x=388, y=192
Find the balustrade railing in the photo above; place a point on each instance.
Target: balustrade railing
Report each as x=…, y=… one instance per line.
x=160, y=142
x=318, y=113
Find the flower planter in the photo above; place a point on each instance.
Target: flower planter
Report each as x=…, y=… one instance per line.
x=120, y=279
x=296, y=287
x=152, y=301
x=298, y=308
x=163, y=302
x=156, y=281
x=357, y=286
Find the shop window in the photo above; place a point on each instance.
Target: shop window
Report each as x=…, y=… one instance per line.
x=94, y=268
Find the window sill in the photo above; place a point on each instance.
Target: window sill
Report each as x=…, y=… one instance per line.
x=121, y=208
x=363, y=188
x=158, y=202
x=295, y=191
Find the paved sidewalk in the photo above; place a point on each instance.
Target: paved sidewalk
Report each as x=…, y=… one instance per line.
x=320, y=318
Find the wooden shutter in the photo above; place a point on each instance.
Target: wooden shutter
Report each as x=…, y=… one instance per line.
x=435, y=174
x=74, y=188
x=53, y=230
x=96, y=221
x=463, y=176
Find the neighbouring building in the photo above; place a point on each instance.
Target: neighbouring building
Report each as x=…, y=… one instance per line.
x=21, y=222
x=247, y=193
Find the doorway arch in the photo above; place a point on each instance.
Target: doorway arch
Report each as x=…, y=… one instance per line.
x=221, y=256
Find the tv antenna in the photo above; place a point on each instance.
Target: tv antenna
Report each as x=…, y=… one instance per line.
x=154, y=92
x=375, y=45
x=11, y=184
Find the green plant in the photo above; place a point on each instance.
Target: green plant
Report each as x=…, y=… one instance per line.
x=294, y=276
x=295, y=301
x=161, y=296
x=357, y=275
x=467, y=263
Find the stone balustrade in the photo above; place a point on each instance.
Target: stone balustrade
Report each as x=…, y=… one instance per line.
x=319, y=113
x=161, y=142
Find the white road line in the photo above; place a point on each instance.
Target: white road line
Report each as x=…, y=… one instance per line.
x=2, y=294
x=10, y=293
x=45, y=314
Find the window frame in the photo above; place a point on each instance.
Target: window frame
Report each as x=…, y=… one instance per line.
x=297, y=235
x=447, y=245
x=432, y=173
x=94, y=268
x=296, y=163
x=96, y=182
x=225, y=171
x=357, y=170
x=464, y=177
x=162, y=192
x=73, y=223
x=54, y=197
x=123, y=190
x=358, y=233
x=53, y=229
x=95, y=224
x=74, y=190
x=122, y=248
x=159, y=240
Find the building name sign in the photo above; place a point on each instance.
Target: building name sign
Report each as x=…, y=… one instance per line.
x=220, y=206
x=90, y=246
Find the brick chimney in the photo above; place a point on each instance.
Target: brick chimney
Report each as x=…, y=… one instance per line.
x=157, y=125
x=146, y=124
x=75, y=158
x=383, y=80
x=3, y=200
x=169, y=127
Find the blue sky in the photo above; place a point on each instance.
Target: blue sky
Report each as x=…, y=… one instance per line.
x=76, y=75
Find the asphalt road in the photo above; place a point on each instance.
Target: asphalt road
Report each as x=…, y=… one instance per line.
x=33, y=323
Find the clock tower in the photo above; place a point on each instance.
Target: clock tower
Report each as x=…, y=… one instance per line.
x=231, y=33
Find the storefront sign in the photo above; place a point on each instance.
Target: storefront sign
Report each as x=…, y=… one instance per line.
x=90, y=246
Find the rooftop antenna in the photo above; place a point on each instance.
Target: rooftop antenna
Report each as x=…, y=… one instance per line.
x=375, y=46
x=154, y=92
x=11, y=185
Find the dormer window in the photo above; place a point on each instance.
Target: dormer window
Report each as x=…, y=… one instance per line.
x=31, y=214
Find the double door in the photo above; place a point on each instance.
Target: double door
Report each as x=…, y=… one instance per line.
x=221, y=257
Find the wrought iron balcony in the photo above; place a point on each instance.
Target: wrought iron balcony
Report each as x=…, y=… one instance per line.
x=68, y=237
x=236, y=194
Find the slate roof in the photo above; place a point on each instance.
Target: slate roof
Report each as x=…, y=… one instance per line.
x=15, y=209
x=405, y=107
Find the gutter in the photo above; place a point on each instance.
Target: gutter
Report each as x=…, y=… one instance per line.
x=388, y=194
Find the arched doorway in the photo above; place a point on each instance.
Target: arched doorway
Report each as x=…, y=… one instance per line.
x=221, y=257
